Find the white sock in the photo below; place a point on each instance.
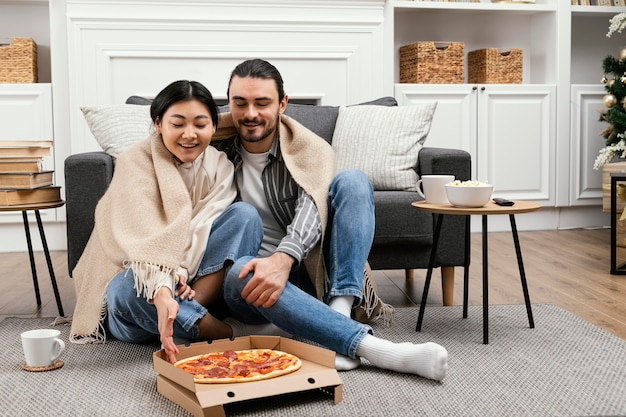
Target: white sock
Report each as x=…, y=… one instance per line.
x=342, y=304
x=429, y=360
x=345, y=363
x=244, y=329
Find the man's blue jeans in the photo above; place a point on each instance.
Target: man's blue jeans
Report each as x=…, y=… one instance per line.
x=236, y=233
x=349, y=233
x=296, y=312
x=349, y=236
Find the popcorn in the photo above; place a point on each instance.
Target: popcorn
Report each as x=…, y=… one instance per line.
x=468, y=183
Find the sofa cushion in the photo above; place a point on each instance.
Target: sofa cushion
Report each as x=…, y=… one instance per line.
x=116, y=127
x=321, y=120
x=383, y=142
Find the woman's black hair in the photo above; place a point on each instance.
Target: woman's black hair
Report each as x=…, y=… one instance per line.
x=182, y=90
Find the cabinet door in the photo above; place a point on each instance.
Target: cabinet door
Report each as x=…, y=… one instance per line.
x=516, y=140
x=454, y=121
x=26, y=114
x=585, y=144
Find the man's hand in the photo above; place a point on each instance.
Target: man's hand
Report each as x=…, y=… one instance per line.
x=268, y=282
x=167, y=309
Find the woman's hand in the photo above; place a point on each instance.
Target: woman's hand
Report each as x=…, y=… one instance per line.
x=167, y=309
x=182, y=289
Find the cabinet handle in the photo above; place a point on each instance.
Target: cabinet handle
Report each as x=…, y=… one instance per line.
x=474, y=88
x=482, y=88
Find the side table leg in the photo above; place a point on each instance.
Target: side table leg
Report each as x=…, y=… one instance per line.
x=429, y=274
x=485, y=284
x=33, y=269
x=44, y=243
x=466, y=263
x=520, y=263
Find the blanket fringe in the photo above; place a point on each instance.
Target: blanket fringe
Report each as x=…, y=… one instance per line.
x=61, y=320
x=149, y=277
x=372, y=307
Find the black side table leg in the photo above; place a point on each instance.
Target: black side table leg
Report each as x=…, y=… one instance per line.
x=485, y=284
x=33, y=269
x=520, y=263
x=429, y=274
x=466, y=263
x=44, y=243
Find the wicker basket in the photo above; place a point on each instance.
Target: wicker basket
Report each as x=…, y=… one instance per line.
x=491, y=66
x=432, y=63
x=18, y=61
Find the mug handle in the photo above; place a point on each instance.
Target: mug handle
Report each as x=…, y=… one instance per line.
x=417, y=188
x=60, y=348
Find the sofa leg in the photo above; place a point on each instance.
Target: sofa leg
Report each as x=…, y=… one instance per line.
x=408, y=274
x=447, y=285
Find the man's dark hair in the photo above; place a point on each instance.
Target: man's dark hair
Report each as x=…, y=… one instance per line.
x=258, y=68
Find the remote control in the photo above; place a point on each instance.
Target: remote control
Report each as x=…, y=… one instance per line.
x=503, y=202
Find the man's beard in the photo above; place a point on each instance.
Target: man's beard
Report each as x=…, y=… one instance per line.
x=268, y=131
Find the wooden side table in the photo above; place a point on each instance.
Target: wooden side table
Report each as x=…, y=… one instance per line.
x=36, y=207
x=489, y=209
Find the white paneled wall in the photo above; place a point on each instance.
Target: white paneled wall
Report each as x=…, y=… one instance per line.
x=327, y=51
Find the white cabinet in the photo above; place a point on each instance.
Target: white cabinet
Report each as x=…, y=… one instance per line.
x=508, y=129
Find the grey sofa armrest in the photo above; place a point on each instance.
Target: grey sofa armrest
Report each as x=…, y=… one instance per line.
x=445, y=161
x=457, y=162
x=87, y=176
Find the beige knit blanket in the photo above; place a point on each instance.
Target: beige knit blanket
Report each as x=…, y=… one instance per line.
x=141, y=223
x=311, y=162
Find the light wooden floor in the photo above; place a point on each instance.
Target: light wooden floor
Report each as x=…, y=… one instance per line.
x=568, y=268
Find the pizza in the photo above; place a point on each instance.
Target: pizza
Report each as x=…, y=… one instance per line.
x=239, y=366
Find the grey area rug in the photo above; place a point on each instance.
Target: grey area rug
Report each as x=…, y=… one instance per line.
x=563, y=367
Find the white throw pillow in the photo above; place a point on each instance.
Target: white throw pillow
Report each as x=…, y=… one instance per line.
x=116, y=127
x=383, y=142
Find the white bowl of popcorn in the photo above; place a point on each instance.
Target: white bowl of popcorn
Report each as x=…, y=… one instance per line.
x=468, y=193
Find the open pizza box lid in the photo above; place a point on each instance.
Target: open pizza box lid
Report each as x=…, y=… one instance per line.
x=317, y=372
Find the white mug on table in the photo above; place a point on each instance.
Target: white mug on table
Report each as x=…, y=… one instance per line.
x=434, y=188
x=42, y=347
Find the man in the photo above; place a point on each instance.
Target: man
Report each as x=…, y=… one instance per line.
x=318, y=230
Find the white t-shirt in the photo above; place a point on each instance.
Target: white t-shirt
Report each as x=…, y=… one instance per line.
x=251, y=189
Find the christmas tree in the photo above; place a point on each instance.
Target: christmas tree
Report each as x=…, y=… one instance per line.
x=614, y=81
x=614, y=101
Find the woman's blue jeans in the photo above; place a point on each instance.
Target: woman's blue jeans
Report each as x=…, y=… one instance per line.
x=236, y=233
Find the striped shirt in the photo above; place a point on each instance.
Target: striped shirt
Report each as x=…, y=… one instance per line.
x=294, y=209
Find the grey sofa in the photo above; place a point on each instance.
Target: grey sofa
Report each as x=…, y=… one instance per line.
x=403, y=235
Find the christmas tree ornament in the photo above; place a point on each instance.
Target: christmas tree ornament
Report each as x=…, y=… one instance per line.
x=623, y=79
x=609, y=101
x=603, y=80
x=611, y=83
x=624, y=103
x=622, y=54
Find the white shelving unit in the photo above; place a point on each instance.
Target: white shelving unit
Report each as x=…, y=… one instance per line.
x=563, y=47
x=26, y=112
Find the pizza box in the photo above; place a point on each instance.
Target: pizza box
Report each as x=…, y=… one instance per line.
x=207, y=400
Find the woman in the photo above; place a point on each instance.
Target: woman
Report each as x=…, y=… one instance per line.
x=164, y=232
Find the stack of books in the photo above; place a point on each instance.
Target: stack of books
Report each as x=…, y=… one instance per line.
x=22, y=177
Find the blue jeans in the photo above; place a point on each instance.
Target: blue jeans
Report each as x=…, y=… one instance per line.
x=235, y=233
x=297, y=313
x=349, y=233
x=349, y=237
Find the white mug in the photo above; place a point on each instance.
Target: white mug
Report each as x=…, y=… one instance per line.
x=434, y=190
x=42, y=347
